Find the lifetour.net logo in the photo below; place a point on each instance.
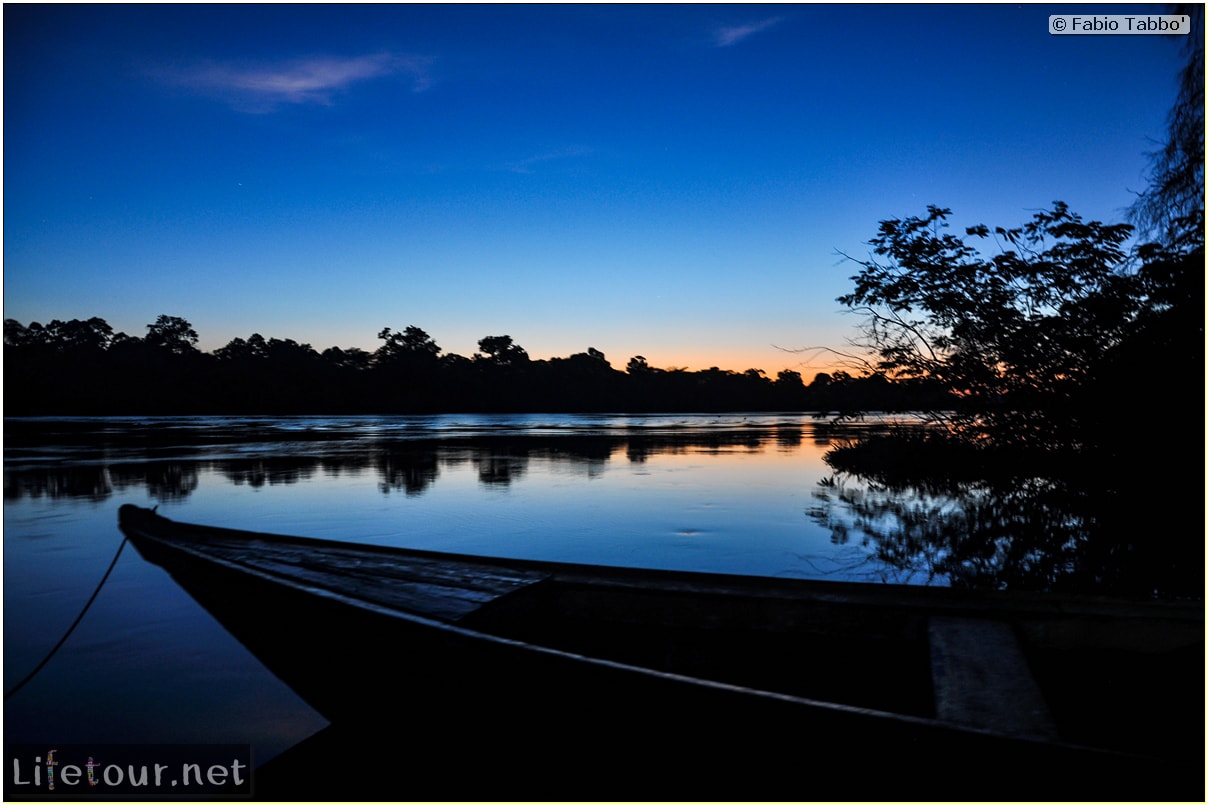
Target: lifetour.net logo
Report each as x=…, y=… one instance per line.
x=165, y=771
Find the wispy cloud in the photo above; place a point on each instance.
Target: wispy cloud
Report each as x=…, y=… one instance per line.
x=526, y=165
x=725, y=37
x=317, y=80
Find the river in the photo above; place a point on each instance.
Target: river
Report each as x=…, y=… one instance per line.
x=736, y=493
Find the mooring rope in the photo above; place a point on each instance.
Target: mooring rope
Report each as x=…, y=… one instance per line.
x=70, y=629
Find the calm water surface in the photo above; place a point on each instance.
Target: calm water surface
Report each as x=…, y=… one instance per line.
x=731, y=493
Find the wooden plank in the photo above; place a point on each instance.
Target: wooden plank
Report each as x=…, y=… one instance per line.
x=443, y=590
x=982, y=680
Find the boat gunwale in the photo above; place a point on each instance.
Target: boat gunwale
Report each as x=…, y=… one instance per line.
x=1024, y=603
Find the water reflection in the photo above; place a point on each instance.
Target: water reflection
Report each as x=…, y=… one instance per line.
x=1087, y=530
x=970, y=535
x=500, y=470
x=410, y=472
x=1056, y=534
x=171, y=481
x=260, y=453
x=259, y=472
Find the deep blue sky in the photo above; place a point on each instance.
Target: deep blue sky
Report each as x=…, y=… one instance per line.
x=671, y=181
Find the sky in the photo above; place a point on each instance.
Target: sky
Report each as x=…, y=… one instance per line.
x=679, y=182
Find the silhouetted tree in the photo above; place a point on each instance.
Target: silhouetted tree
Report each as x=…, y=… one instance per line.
x=173, y=334
x=1014, y=336
x=790, y=378
x=593, y=361
x=500, y=350
x=254, y=348
x=123, y=340
x=638, y=366
x=353, y=358
x=406, y=370
x=1174, y=201
x=91, y=336
x=73, y=336
x=15, y=333
x=412, y=345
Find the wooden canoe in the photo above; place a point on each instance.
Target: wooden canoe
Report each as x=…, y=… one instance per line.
x=738, y=687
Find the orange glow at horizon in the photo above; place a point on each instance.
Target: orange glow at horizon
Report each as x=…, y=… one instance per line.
x=808, y=363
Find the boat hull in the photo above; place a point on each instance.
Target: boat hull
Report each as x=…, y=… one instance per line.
x=442, y=699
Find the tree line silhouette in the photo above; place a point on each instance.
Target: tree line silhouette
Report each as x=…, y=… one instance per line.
x=83, y=367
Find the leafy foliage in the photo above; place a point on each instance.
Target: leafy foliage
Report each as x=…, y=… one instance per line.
x=1173, y=204
x=412, y=344
x=1016, y=336
x=172, y=333
x=501, y=351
